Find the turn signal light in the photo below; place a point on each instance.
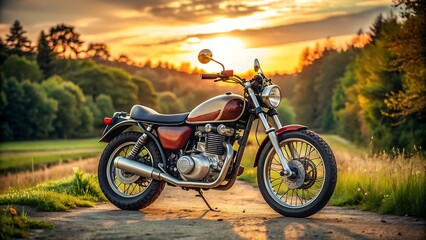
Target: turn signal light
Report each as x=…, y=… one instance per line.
x=107, y=121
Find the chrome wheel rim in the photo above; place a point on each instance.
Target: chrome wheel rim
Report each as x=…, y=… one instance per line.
x=126, y=184
x=314, y=175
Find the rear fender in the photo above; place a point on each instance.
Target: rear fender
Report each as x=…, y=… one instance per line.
x=119, y=126
x=287, y=128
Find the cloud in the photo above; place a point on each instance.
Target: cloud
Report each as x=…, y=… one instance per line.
x=332, y=26
x=285, y=34
x=200, y=11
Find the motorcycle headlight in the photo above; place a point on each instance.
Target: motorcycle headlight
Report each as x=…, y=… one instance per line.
x=271, y=96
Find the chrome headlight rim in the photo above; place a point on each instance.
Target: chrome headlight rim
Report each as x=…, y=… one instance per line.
x=270, y=96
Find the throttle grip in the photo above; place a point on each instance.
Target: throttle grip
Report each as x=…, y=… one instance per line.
x=209, y=76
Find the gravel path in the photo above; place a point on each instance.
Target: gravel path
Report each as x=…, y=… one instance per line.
x=177, y=214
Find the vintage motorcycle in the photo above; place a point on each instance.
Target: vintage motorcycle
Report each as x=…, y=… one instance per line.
x=296, y=169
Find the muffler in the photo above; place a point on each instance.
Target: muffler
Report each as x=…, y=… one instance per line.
x=146, y=171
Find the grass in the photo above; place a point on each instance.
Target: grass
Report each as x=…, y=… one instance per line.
x=50, y=145
x=21, y=156
x=27, y=162
x=381, y=183
x=13, y=225
x=81, y=190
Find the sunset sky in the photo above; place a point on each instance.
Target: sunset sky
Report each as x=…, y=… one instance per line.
x=236, y=31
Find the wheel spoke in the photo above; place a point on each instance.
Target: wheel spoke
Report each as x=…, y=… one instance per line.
x=300, y=192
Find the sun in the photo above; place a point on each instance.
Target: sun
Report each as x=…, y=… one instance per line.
x=226, y=50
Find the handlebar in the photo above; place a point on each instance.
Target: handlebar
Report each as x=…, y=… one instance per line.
x=225, y=76
x=210, y=76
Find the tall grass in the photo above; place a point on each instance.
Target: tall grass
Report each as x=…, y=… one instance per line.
x=80, y=190
x=383, y=183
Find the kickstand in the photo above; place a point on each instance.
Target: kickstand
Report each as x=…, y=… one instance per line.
x=200, y=194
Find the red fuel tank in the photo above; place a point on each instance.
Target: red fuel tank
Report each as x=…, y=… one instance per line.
x=223, y=108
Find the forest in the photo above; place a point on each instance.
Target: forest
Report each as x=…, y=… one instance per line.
x=371, y=92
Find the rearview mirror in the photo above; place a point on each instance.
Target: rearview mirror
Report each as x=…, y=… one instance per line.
x=257, y=66
x=205, y=56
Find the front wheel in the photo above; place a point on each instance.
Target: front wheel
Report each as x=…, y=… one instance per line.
x=314, y=165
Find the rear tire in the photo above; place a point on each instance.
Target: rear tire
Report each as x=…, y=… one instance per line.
x=311, y=189
x=125, y=190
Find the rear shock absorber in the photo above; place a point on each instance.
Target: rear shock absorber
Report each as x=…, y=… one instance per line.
x=139, y=144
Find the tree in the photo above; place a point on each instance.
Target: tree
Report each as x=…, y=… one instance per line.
x=17, y=43
x=22, y=69
x=70, y=100
x=124, y=59
x=3, y=52
x=96, y=79
x=29, y=113
x=45, y=55
x=409, y=45
x=65, y=41
x=146, y=92
x=98, y=51
x=169, y=103
x=105, y=106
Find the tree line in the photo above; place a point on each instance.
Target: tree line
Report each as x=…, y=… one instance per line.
x=373, y=92
x=58, y=89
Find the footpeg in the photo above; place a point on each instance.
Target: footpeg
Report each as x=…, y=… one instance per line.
x=200, y=194
x=240, y=171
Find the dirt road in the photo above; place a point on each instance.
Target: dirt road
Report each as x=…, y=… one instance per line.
x=177, y=214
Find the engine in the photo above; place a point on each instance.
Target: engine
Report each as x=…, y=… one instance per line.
x=206, y=159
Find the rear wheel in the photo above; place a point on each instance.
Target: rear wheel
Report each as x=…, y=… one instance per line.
x=309, y=190
x=126, y=190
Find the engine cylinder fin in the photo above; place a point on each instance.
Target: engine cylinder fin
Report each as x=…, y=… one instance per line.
x=214, y=144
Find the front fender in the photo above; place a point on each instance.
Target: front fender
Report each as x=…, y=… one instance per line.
x=287, y=128
x=116, y=129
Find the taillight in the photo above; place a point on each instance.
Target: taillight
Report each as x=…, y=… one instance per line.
x=107, y=121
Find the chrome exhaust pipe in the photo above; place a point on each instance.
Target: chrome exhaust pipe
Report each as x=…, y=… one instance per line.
x=144, y=170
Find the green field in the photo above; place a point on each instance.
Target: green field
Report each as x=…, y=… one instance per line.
x=20, y=156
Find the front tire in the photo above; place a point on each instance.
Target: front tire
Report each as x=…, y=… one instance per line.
x=125, y=190
x=313, y=161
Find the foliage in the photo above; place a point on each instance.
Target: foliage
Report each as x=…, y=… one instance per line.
x=70, y=101
x=65, y=41
x=369, y=93
x=78, y=191
x=146, y=92
x=21, y=69
x=27, y=106
x=410, y=99
x=286, y=112
x=98, y=51
x=170, y=103
x=17, y=43
x=45, y=55
x=13, y=225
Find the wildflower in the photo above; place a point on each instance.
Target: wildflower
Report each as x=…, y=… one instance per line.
x=359, y=189
x=366, y=193
x=12, y=211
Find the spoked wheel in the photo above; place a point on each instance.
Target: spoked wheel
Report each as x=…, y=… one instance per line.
x=127, y=190
x=309, y=189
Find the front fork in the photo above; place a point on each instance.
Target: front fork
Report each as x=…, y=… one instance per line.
x=272, y=134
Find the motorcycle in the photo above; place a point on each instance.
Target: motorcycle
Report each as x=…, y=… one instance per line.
x=296, y=169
